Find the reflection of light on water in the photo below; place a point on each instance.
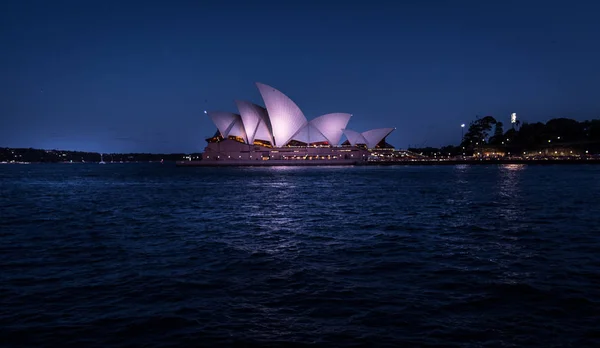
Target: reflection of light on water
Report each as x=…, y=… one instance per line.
x=509, y=178
x=279, y=184
x=285, y=168
x=486, y=207
x=274, y=203
x=461, y=167
x=272, y=211
x=304, y=168
x=502, y=210
x=509, y=188
x=513, y=166
x=461, y=170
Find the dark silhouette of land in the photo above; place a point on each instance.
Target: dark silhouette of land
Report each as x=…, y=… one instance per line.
x=15, y=155
x=559, y=137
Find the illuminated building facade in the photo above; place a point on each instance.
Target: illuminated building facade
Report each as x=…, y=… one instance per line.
x=281, y=132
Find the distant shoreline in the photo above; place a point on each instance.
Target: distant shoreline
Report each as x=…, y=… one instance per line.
x=30, y=155
x=489, y=162
x=330, y=164
x=386, y=163
x=36, y=156
x=94, y=163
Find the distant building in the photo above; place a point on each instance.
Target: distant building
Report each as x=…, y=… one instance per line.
x=490, y=152
x=560, y=151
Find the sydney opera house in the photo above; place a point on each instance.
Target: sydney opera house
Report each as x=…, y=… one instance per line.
x=280, y=133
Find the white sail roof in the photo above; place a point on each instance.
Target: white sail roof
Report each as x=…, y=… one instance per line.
x=256, y=121
x=285, y=116
x=331, y=126
x=309, y=134
x=282, y=120
x=354, y=137
x=228, y=123
x=374, y=136
x=237, y=129
x=223, y=120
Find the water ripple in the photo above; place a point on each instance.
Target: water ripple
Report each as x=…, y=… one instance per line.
x=152, y=255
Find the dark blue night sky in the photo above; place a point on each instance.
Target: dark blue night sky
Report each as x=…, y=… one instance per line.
x=119, y=76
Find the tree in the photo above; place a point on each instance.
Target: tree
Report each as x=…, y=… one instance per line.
x=478, y=131
x=498, y=136
x=593, y=130
x=564, y=128
x=525, y=136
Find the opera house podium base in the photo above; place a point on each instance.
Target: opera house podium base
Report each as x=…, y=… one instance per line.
x=229, y=152
x=269, y=163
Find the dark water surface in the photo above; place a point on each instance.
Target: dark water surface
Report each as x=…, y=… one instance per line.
x=153, y=255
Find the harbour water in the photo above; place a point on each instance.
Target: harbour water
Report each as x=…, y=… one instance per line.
x=153, y=255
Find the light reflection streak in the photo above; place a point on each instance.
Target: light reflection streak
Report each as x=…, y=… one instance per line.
x=461, y=171
x=272, y=212
x=285, y=168
x=510, y=179
x=500, y=223
x=510, y=210
x=509, y=190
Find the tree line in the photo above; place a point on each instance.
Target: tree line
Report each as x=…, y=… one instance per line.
x=487, y=132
